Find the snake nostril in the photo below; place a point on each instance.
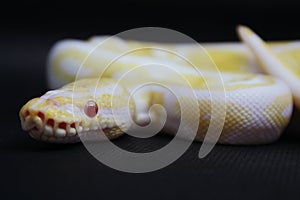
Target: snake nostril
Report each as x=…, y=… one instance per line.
x=62, y=125
x=26, y=113
x=50, y=122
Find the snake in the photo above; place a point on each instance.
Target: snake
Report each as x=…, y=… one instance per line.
x=88, y=97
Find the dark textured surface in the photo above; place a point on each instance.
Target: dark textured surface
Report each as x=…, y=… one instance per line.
x=35, y=170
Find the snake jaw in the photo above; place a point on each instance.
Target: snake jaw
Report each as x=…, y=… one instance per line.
x=47, y=129
x=41, y=127
x=37, y=118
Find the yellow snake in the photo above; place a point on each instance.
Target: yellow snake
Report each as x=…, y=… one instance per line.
x=258, y=107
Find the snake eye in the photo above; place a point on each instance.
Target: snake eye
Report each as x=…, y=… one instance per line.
x=91, y=108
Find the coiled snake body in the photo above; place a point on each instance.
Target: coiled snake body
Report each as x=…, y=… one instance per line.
x=258, y=107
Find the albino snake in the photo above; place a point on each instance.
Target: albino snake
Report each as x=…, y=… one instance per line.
x=258, y=107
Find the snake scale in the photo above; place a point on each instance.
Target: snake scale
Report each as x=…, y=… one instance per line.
x=258, y=106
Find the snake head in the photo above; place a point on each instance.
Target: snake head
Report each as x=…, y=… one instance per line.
x=78, y=109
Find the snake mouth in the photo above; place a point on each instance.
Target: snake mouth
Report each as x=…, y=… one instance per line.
x=46, y=129
x=49, y=130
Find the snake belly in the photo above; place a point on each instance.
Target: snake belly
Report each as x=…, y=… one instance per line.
x=258, y=107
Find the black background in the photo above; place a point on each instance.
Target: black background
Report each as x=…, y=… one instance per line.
x=31, y=169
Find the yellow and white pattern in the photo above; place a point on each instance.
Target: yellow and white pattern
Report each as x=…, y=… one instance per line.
x=258, y=107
